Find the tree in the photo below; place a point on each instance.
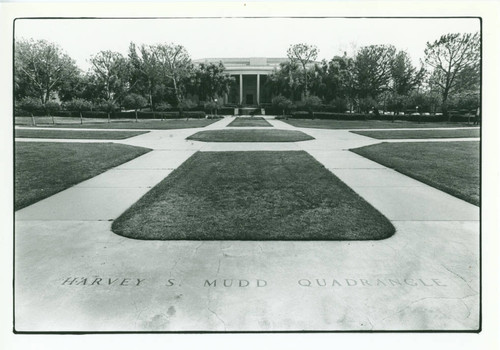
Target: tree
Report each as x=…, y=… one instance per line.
x=134, y=101
x=303, y=54
x=108, y=107
x=405, y=77
x=144, y=70
x=319, y=75
x=282, y=103
x=454, y=59
x=73, y=87
x=373, y=68
x=51, y=107
x=30, y=105
x=40, y=69
x=212, y=106
x=175, y=65
x=211, y=81
x=287, y=81
x=79, y=105
x=110, y=74
x=185, y=103
x=343, y=76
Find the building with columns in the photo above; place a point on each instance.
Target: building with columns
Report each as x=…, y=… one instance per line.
x=250, y=77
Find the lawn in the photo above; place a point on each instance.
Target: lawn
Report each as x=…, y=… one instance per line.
x=72, y=134
x=255, y=135
x=246, y=122
x=452, y=167
x=367, y=124
x=126, y=124
x=44, y=168
x=252, y=196
x=420, y=134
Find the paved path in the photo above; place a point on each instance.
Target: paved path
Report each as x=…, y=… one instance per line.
x=74, y=274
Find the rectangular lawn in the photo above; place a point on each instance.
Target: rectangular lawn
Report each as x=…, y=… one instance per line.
x=452, y=167
x=73, y=134
x=44, y=168
x=252, y=121
x=250, y=135
x=366, y=124
x=252, y=196
x=130, y=124
x=420, y=134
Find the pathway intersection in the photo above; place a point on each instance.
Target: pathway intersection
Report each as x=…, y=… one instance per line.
x=73, y=274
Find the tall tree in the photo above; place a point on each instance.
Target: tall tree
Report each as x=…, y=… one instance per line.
x=144, y=70
x=454, y=59
x=303, y=54
x=211, y=81
x=41, y=68
x=343, y=68
x=319, y=81
x=176, y=66
x=135, y=102
x=110, y=74
x=405, y=76
x=373, y=67
x=287, y=80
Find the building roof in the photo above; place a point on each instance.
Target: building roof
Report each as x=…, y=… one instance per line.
x=246, y=65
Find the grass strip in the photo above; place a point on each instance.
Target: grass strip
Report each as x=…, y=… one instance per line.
x=367, y=124
x=252, y=135
x=452, y=167
x=72, y=134
x=44, y=168
x=248, y=122
x=121, y=124
x=252, y=196
x=419, y=134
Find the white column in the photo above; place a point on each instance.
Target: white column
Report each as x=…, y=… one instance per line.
x=241, y=89
x=258, y=89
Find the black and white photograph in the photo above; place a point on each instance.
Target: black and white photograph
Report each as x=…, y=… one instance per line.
x=248, y=174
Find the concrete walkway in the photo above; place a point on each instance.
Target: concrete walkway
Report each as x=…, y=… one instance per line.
x=74, y=274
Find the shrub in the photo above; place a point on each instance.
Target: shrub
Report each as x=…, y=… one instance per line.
x=134, y=101
x=186, y=104
x=212, y=106
x=339, y=104
x=282, y=103
x=163, y=106
x=367, y=104
x=78, y=105
x=52, y=106
x=311, y=101
x=30, y=105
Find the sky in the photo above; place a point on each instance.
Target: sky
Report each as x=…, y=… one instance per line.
x=241, y=37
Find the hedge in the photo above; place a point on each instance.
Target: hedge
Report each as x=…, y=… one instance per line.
x=329, y=115
x=122, y=115
x=252, y=113
x=225, y=111
x=362, y=116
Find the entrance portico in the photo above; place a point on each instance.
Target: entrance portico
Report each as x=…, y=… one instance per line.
x=250, y=76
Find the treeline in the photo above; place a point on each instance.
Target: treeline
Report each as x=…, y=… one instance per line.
x=162, y=77
x=159, y=77
x=379, y=77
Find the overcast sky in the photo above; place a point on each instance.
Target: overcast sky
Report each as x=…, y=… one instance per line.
x=240, y=37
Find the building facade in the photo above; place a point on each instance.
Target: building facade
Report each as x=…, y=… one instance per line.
x=250, y=75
